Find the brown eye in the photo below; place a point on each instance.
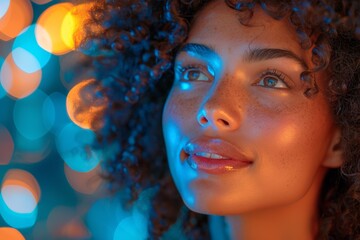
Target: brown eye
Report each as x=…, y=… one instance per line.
x=194, y=75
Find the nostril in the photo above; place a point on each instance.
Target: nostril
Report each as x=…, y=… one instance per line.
x=223, y=122
x=203, y=120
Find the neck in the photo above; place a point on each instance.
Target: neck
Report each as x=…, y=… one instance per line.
x=296, y=221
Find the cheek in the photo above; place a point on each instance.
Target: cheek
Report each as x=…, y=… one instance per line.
x=180, y=111
x=291, y=147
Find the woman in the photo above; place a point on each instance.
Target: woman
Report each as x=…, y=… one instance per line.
x=261, y=121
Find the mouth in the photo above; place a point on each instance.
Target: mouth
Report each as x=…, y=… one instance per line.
x=213, y=156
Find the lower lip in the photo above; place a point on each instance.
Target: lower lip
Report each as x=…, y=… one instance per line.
x=215, y=166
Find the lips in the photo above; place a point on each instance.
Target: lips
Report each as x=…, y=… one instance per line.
x=214, y=156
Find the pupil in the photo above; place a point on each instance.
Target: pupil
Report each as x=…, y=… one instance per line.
x=270, y=82
x=193, y=75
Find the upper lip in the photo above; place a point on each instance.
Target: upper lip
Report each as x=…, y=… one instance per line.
x=215, y=145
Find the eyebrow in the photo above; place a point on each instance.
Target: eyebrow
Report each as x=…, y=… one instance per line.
x=256, y=54
x=199, y=49
x=259, y=54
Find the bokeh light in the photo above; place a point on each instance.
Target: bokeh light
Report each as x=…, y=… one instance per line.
x=17, y=17
x=56, y=100
x=51, y=21
x=84, y=106
x=84, y=182
x=20, y=194
x=41, y=2
x=33, y=126
x=8, y=233
x=27, y=54
x=39, y=144
x=31, y=151
x=64, y=223
x=4, y=6
x=74, y=146
x=6, y=146
x=15, y=81
x=73, y=24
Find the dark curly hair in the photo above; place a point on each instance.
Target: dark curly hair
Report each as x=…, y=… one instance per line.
x=131, y=47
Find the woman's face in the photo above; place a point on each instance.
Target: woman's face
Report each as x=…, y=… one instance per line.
x=240, y=134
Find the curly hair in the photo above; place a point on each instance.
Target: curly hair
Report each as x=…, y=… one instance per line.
x=131, y=46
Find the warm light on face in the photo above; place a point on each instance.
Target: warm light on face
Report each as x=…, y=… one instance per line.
x=243, y=89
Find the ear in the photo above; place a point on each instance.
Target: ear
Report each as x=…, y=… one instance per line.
x=334, y=157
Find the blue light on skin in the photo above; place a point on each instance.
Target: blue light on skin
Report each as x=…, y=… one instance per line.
x=28, y=116
x=22, y=219
x=74, y=146
x=4, y=6
x=185, y=86
x=204, y=53
x=2, y=91
x=28, y=43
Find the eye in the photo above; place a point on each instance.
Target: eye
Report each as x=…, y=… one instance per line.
x=272, y=79
x=192, y=73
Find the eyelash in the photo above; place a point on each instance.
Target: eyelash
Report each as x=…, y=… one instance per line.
x=275, y=73
x=198, y=67
x=269, y=72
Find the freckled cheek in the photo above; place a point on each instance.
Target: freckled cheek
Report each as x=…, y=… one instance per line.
x=180, y=111
x=290, y=143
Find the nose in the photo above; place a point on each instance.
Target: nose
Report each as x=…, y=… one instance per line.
x=219, y=113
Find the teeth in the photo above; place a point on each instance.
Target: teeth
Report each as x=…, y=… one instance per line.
x=210, y=155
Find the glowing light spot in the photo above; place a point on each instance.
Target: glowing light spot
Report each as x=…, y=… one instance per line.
x=74, y=146
x=4, y=6
x=6, y=146
x=111, y=213
x=73, y=23
x=27, y=53
x=18, y=16
x=7, y=233
x=15, y=81
x=41, y=2
x=26, y=61
x=31, y=151
x=24, y=179
x=2, y=91
x=61, y=119
x=18, y=199
x=51, y=20
x=32, y=126
x=20, y=194
x=84, y=107
x=64, y=223
x=87, y=182
x=185, y=86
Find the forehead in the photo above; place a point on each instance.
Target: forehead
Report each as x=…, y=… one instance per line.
x=217, y=24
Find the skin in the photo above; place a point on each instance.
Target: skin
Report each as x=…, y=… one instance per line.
x=288, y=137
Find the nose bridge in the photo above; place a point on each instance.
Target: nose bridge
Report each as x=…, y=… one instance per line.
x=220, y=108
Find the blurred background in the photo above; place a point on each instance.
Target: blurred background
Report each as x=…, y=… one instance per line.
x=50, y=180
